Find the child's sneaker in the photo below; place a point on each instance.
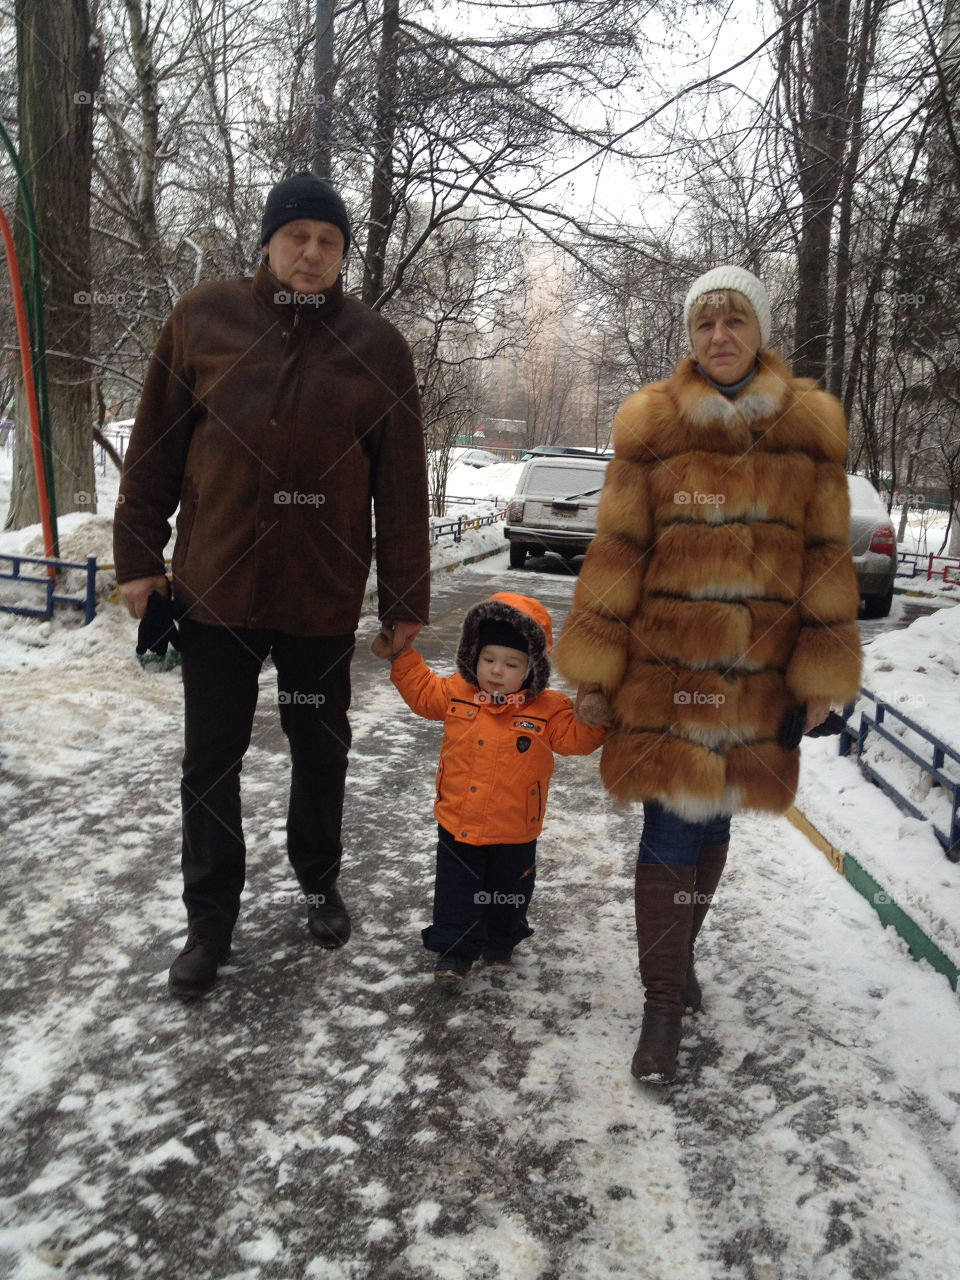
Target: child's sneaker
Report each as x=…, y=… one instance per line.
x=451, y=969
x=498, y=957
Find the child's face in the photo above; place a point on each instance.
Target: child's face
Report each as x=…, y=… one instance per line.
x=500, y=670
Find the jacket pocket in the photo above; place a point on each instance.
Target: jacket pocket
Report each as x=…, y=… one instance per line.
x=534, y=803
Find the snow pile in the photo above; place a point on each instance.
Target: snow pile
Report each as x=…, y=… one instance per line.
x=916, y=671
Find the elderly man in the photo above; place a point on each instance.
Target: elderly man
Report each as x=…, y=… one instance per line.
x=274, y=410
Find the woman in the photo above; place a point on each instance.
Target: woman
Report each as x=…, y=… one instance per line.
x=717, y=600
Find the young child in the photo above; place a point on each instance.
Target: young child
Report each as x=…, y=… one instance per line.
x=501, y=727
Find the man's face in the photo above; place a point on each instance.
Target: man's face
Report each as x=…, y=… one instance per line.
x=306, y=254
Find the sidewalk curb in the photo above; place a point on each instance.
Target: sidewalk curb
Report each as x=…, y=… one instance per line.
x=921, y=946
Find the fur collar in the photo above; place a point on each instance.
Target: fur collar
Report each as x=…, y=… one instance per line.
x=764, y=397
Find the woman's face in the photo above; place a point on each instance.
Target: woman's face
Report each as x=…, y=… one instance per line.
x=726, y=343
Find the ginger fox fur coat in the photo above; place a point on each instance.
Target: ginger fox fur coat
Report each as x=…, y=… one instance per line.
x=719, y=592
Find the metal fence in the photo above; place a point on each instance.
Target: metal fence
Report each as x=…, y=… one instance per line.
x=457, y=528
x=920, y=564
x=874, y=723
x=48, y=580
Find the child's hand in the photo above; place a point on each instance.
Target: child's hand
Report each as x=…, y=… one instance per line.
x=592, y=708
x=382, y=643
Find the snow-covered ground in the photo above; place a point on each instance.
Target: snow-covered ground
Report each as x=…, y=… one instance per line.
x=331, y=1115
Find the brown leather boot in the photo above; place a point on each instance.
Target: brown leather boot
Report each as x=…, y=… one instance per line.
x=663, y=901
x=710, y=864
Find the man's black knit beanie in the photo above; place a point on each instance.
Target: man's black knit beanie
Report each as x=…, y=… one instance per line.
x=304, y=196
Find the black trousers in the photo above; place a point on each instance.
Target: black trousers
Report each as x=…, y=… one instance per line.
x=220, y=668
x=481, y=895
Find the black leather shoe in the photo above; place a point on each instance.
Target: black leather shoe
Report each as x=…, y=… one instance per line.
x=194, y=971
x=327, y=918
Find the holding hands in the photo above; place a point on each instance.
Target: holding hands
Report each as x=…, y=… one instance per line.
x=592, y=708
x=394, y=638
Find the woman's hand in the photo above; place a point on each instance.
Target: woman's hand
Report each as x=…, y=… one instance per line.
x=592, y=708
x=817, y=711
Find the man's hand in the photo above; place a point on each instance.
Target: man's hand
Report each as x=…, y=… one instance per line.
x=394, y=637
x=137, y=592
x=817, y=711
x=404, y=634
x=592, y=708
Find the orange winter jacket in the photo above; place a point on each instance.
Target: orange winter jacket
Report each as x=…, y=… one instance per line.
x=496, y=760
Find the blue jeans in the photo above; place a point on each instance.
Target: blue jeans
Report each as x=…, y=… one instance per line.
x=671, y=840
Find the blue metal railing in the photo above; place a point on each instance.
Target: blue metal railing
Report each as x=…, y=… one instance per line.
x=933, y=768
x=457, y=527
x=87, y=602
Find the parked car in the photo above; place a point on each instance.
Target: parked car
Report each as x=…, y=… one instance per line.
x=874, y=547
x=474, y=457
x=554, y=507
x=564, y=451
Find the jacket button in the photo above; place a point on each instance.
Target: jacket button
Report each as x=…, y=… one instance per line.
x=463, y=835
x=273, y=422
x=479, y=742
x=533, y=791
x=473, y=788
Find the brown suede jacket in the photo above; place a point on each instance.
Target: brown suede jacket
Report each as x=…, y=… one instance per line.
x=273, y=419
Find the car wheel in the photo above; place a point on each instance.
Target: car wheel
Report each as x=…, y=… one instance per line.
x=518, y=555
x=878, y=606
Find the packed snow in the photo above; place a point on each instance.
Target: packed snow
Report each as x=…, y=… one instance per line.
x=333, y=1115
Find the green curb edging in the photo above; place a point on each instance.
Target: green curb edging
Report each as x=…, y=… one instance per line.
x=921, y=947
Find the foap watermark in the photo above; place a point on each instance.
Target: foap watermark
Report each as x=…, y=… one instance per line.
x=98, y=898
x=904, y=899
x=684, y=896
x=83, y=498
x=296, y=698
x=484, y=898
x=93, y=98
x=697, y=699
x=297, y=898
x=684, y=498
x=909, y=299
x=88, y=298
x=284, y=498
x=300, y=299
x=484, y=699
x=906, y=700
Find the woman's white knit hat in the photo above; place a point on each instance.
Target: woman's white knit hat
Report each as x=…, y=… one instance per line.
x=739, y=279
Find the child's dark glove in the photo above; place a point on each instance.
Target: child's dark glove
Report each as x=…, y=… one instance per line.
x=158, y=627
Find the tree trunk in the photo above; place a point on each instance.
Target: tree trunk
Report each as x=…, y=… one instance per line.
x=57, y=82
x=823, y=147
x=323, y=81
x=381, y=192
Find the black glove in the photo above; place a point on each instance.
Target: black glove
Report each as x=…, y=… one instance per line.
x=833, y=724
x=158, y=626
x=791, y=728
